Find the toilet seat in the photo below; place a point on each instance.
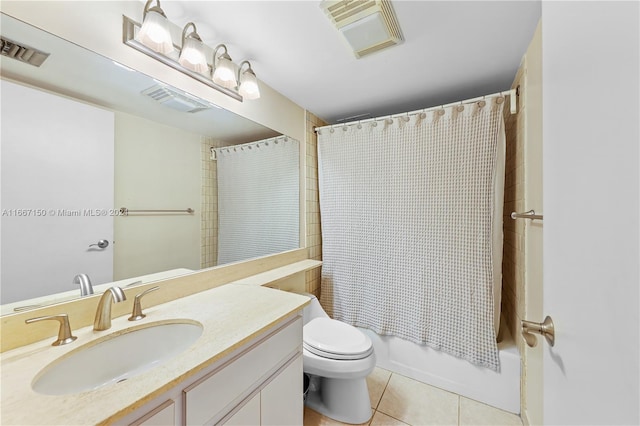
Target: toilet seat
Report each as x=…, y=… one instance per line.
x=328, y=338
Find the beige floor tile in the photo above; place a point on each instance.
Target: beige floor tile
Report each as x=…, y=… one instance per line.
x=313, y=418
x=476, y=413
x=381, y=419
x=417, y=403
x=376, y=382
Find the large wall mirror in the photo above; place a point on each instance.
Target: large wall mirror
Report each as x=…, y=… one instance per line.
x=112, y=174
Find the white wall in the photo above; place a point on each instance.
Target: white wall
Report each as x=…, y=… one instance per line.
x=156, y=167
x=591, y=195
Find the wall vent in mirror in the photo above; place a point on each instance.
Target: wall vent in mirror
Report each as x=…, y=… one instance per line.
x=22, y=52
x=173, y=99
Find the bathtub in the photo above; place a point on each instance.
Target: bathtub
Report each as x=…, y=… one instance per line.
x=498, y=389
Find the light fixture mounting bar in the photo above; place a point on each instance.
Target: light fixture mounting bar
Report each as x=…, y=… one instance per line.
x=128, y=34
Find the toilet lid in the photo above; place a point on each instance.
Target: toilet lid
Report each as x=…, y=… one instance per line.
x=335, y=340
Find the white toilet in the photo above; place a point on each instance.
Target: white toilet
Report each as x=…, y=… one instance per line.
x=338, y=357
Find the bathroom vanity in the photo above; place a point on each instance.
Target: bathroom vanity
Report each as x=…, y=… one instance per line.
x=245, y=368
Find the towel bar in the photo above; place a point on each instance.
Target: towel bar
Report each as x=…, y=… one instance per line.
x=531, y=214
x=125, y=211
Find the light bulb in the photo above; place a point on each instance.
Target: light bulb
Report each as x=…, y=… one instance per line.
x=155, y=33
x=192, y=56
x=249, y=86
x=224, y=73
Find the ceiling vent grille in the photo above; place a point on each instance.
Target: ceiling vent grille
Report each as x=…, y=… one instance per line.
x=367, y=25
x=22, y=53
x=174, y=99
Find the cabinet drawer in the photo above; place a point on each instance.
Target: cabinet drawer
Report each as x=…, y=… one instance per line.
x=207, y=398
x=164, y=415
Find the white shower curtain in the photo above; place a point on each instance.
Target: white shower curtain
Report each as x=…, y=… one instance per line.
x=407, y=209
x=258, y=199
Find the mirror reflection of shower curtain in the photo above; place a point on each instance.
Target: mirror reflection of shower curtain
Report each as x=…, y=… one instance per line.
x=258, y=199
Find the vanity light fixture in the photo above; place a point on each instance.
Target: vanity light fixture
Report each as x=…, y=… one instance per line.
x=155, y=32
x=248, y=83
x=223, y=72
x=192, y=55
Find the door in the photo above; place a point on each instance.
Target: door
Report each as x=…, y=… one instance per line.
x=53, y=210
x=591, y=160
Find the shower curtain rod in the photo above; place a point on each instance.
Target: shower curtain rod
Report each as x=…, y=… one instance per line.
x=213, y=150
x=513, y=95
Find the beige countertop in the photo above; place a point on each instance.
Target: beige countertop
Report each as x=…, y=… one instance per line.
x=231, y=316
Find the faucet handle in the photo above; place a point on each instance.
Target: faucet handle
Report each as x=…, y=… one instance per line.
x=64, y=332
x=137, y=314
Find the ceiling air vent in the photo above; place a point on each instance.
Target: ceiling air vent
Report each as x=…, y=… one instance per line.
x=22, y=53
x=367, y=25
x=174, y=99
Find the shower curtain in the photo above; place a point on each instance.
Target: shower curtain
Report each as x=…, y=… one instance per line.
x=258, y=199
x=407, y=207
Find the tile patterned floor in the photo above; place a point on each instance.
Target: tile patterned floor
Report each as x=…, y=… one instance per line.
x=400, y=401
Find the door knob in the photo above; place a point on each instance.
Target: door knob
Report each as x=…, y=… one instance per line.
x=102, y=244
x=545, y=328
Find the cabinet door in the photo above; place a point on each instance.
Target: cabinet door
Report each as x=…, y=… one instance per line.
x=248, y=415
x=281, y=400
x=163, y=415
x=209, y=399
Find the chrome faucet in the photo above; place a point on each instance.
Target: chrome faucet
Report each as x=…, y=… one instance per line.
x=103, y=313
x=85, y=284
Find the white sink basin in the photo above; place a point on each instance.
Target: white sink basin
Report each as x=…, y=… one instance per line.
x=116, y=357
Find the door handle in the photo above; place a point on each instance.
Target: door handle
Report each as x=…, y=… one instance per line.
x=545, y=328
x=102, y=244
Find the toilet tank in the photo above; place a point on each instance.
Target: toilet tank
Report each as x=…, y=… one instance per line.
x=312, y=310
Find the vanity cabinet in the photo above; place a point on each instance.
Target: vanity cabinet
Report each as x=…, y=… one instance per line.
x=275, y=403
x=258, y=384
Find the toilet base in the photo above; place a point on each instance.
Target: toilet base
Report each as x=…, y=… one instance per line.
x=344, y=400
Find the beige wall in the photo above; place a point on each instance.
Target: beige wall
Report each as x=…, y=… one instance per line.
x=513, y=249
x=156, y=167
x=314, y=236
x=522, y=260
x=209, y=218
